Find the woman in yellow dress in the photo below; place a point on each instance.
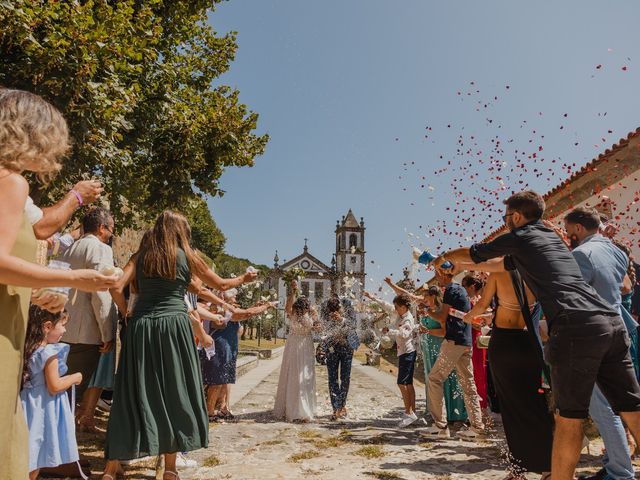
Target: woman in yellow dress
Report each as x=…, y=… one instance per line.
x=33, y=137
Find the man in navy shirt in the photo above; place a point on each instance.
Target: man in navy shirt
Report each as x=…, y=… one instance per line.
x=454, y=353
x=588, y=341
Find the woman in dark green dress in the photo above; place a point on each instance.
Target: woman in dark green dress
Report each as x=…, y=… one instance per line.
x=158, y=402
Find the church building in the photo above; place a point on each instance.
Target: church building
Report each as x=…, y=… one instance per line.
x=345, y=275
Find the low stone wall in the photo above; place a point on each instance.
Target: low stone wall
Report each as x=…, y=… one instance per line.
x=264, y=353
x=245, y=363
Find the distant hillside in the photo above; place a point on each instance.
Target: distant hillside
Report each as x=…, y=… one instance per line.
x=226, y=265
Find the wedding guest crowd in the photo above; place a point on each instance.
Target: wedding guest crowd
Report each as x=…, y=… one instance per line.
x=70, y=344
x=556, y=307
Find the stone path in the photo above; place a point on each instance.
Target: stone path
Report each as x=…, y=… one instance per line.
x=367, y=445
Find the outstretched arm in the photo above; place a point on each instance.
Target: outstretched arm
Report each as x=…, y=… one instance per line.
x=57, y=216
x=216, y=281
x=246, y=313
x=495, y=265
x=288, y=308
x=401, y=291
x=197, y=286
x=480, y=308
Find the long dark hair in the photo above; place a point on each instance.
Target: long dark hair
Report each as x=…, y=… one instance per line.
x=35, y=334
x=170, y=233
x=473, y=281
x=301, y=306
x=436, y=292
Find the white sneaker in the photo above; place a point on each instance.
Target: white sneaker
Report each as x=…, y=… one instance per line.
x=104, y=405
x=471, y=433
x=183, y=462
x=407, y=420
x=438, y=432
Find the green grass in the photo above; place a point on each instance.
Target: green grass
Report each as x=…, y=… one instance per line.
x=272, y=442
x=306, y=455
x=383, y=475
x=211, y=461
x=330, y=442
x=371, y=451
x=308, y=434
x=264, y=344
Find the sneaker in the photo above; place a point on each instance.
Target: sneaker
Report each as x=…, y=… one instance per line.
x=104, y=405
x=407, y=420
x=183, y=462
x=438, y=432
x=471, y=433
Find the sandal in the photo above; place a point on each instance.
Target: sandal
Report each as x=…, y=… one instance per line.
x=174, y=475
x=217, y=418
x=227, y=415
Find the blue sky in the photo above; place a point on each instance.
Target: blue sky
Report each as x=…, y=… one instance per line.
x=348, y=89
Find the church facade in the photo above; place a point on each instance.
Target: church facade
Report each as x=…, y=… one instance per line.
x=344, y=275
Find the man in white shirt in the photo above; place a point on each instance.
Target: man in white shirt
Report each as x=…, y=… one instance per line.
x=404, y=332
x=92, y=316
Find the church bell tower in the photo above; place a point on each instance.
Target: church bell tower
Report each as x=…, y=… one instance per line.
x=350, y=252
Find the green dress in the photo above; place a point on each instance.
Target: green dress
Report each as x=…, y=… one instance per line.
x=158, y=399
x=453, y=398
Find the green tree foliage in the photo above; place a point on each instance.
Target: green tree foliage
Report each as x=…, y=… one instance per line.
x=137, y=82
x=227, y=265
x=206, y=235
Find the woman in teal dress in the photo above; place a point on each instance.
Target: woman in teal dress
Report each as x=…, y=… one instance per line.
x=158, y=400
x=430, y=343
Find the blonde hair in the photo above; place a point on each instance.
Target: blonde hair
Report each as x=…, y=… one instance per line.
x=33, y=134
x=170, y=233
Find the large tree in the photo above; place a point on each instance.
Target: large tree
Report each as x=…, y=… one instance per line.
x=137, y=82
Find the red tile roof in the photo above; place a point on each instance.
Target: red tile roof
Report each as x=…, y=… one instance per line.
x=590, y=167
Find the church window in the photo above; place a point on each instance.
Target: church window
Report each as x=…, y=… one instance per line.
x=353, y=259
x=305, y=289
x=353, y=240
x=319, y=290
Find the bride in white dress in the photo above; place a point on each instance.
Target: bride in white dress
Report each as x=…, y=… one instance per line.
x=296, y=396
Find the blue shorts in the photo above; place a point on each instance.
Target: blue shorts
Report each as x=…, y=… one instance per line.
x=406, y=364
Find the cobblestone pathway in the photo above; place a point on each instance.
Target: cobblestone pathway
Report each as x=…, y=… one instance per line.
x=366, y=445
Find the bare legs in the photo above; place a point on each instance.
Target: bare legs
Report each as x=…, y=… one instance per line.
x=214, y=394
x=567, y=443
x=111, y=468
x=88, y=407
x=408, y=397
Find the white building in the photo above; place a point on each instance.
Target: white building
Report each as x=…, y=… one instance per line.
x=321, y=280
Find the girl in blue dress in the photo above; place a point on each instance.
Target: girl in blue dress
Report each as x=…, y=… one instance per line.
x=52, y=436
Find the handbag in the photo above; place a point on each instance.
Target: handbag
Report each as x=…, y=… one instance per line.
x=321, y=353
x=482, y=341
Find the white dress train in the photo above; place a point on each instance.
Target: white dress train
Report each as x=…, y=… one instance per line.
x=296, y=395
